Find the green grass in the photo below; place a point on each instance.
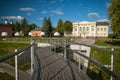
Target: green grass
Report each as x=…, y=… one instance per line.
x=6, y=48
x=25, y=66
x=104, y=58
x=5, y=76
x=101, y=56
x=102, y=43
x=108, y=43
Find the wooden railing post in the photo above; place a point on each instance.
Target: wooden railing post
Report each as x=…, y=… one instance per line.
x=111, y=78
x=32, y=57
x=65, y=50
x=16, y=67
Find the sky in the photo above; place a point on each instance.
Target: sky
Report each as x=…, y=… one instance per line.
x=35, y=10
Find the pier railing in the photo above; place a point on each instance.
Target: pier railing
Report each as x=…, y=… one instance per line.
x=101, y=62
x=23, y=56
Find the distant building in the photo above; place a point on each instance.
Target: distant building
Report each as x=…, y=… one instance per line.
x=6, y=31
x=90, y=29
x=37, y=33
x=6, y=21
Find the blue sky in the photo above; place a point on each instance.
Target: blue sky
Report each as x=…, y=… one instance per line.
x=35, y=10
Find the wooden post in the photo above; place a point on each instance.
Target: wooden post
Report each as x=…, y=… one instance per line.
x=32, y=57
x=112, y=62
x=16, y=67
x=65, y=51
x=79, y=67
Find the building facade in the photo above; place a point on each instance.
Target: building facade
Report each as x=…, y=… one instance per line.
x=6, y=31
x=90, y=29
x=37, y=33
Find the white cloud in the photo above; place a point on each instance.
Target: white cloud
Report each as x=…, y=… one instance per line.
x=27, y=9
x=19, y=17
x=41, y=19
x=103, y=20
x=59, y=12
x=13, y=17
x=43, y=12
x=93, y=15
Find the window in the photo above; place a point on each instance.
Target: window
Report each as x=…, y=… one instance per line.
x=92, y=29
x=98, y=29
x=101, y=29
x=75, y=29
x=104, y=29
x=80, y=28
x=83, y=28
x=87, y=28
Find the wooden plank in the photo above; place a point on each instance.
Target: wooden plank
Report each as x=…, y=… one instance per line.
x=54, y=68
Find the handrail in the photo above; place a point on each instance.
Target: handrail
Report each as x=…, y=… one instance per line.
x=100, y=65
x=95, y=47
x=115, y=75
x=14, y=53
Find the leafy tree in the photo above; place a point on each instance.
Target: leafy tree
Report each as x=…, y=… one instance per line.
x=59, y=27
x=68, y=27
x=33, y=26
x=17, y=26
x=24, y=25
x=47, y=26
x=114, y=16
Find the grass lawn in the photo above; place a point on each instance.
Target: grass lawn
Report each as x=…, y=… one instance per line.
x=6, y=48
x=5, y=76
x=108, y=43
x=105, y=58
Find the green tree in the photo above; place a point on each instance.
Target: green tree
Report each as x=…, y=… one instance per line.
x=68, y=27
x=24, y=25
x=47, y=26
x=33, y=26
x=59, y=27
x=114, y=16
x=17, y=26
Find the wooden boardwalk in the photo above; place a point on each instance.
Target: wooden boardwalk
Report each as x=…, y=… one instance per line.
x=55, y=68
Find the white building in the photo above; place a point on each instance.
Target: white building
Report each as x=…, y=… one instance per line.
x=90, y=29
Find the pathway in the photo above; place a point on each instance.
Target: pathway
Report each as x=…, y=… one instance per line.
x=11, y=71
x=55, y=68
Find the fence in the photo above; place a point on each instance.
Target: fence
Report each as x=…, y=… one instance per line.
x=100, y=64
x=23, y=56
x=103, y=64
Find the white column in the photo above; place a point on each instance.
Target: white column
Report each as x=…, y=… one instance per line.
x=16, y=67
